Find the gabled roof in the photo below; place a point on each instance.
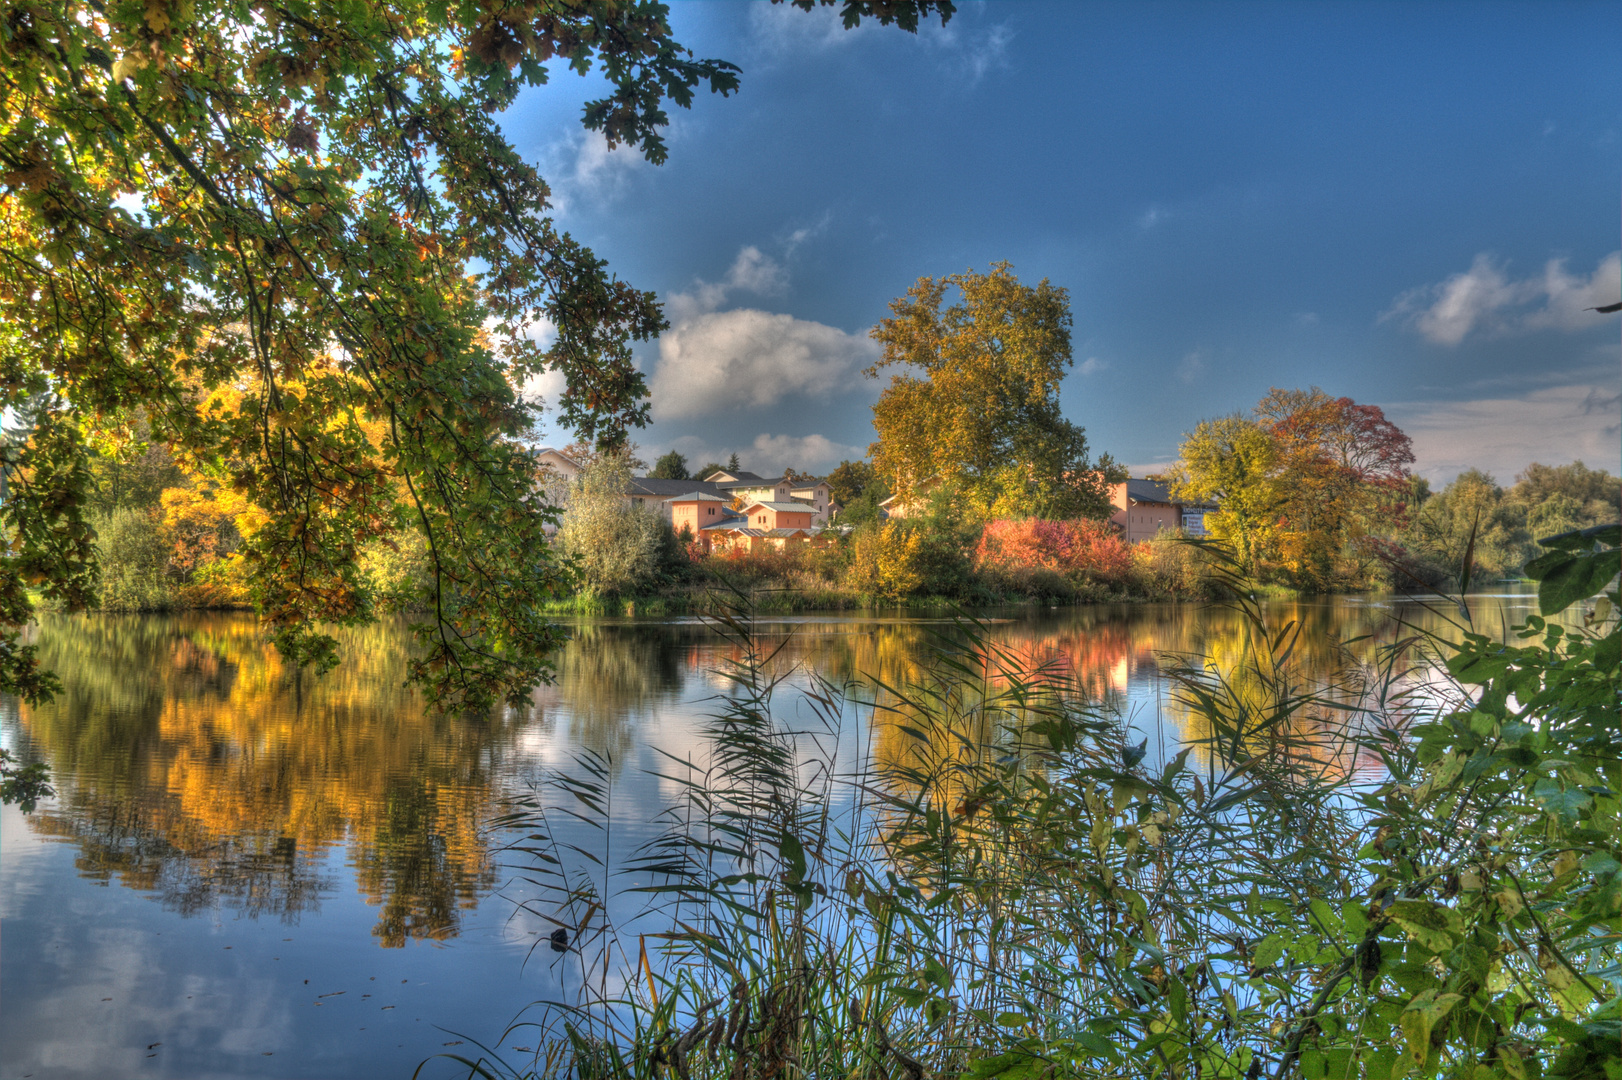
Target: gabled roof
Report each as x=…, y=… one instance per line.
x=664, y=489
x=539, y=451
x=1156, y=491
x=735, y=485
x=697, y=496
x=723, y=477
x=782, y=507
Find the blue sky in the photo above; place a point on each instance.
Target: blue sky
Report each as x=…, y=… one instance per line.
x=1410, y=205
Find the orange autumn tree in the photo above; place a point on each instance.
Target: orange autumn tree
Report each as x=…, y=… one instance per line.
x=1342, y=476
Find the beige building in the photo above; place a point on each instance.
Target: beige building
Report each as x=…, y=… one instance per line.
x=1145, y=508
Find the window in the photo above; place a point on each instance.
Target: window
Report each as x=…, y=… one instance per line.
x=712, y=511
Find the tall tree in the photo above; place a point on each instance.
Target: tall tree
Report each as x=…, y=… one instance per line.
x=313, y=202
x=985, y=415
x=671, y=466
x=1234, y=461
x=1341, y=466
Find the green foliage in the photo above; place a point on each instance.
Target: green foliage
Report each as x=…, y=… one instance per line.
x=24, y=785
x=1474, y=528
x=134, y=560
x=1013, y=887
x=615, y=545
x=325, y=299
x=985, y=415
x=672, y=466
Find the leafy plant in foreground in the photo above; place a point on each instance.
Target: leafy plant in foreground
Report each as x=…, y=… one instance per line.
x=1403, y=870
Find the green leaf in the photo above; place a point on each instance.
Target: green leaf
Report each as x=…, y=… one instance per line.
x=794, y=858
x=1268, y=951
x=1555, y=799
x=1433, y=926
x=1419, y=1019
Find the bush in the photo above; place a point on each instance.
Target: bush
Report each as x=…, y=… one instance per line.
x=616, y=546
x=395, y=570
x=1167, y=567
x=134, y=558
x=1080, y=548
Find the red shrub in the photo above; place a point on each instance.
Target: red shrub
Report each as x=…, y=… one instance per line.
x=1090, y=548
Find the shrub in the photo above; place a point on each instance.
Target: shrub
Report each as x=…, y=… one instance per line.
x=885, y=560
x=134, y=558
x=1080, y=548
x=615, y=545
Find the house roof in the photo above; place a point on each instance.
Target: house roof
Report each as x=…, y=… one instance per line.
x=745, y=530
x=664, y=489
x=697, y=496
x=540, y=451
x=723, y=477
x=1156, y=491
x=783, y=507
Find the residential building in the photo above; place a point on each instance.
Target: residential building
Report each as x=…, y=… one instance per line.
x=1144, y=508
x=697, y=510
x=559, y=462
x=897, y=507
x=738, y=489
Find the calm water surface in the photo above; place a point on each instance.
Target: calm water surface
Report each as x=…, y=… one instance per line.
x=252, y=873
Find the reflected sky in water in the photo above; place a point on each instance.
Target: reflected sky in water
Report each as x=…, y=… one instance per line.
x=249, y=872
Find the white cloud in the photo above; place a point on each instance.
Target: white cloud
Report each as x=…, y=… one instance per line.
x=1570, y=297
x=780, y=29
x=769, y=454
x=721, y=361
x=1192, y=366
x=967, y=46
x=1093, y=365
x=581, y=168
x=1484, y=298
x=752, y=271
x=1503, y=435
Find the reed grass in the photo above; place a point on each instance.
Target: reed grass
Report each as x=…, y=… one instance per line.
x=1010, y=883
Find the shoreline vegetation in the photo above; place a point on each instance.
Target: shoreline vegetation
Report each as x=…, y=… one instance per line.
x=1407, y=867
x=168, y=540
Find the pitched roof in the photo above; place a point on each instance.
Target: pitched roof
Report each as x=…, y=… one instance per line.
x=736, y=477
x=1156, y=491
x=697, y=496
x=784, y=507
x=649, y=485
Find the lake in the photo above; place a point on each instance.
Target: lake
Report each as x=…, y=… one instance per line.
x=252, y=872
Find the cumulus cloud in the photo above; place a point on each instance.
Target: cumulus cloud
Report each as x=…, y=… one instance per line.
x=769, y=454
x=581, y=168
x=713, y=361
x=1093, y=365
x=1553, y=425
x=721, y=361
x=965, y=44
x=1486, y=299
x=752, y=271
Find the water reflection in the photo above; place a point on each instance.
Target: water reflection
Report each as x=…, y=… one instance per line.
x=196, y=766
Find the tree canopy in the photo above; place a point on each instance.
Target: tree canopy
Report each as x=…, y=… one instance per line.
x=671, y=466
x=985, y=414
x=290, y=242
x=1301, y=483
